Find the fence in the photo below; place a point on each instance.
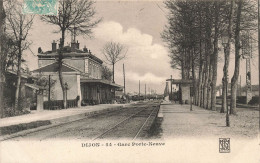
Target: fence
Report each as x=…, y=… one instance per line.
x=58, y=104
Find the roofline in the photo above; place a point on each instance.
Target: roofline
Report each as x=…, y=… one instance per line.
x=42, y=66
x=15, y=73
x=72, y=67
x=36, y=87
x=80, y=55
x=85, y=80
x=180, y=81
x=36, y=70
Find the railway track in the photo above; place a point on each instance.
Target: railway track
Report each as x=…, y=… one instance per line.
x=128, y=122
x=133, y=126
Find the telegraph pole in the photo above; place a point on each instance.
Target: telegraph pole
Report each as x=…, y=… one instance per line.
x=124, y=76
x=145, y=91
x=240, y=87
x=49, y=95
x=139, y=88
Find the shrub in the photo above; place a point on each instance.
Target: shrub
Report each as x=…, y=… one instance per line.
x=241, y=99
x=254, y=100
x=11, y=112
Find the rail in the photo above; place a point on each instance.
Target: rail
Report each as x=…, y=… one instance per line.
x=124, y=120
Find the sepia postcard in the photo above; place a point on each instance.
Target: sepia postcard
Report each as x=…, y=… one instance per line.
x=129, y=81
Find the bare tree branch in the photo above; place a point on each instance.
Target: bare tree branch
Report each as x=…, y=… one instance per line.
x=18, y=26
x=114, y=52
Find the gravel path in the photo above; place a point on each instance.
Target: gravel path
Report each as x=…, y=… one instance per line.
x=179, y=121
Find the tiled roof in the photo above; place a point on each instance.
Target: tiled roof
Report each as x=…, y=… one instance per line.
x=34, y=86
x=87, y=80
x=69, y=52
x=23, y=75
x=54, y=68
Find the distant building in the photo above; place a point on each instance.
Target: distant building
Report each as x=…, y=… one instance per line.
x=81, y=71
x=255, y=90
x=29, y=90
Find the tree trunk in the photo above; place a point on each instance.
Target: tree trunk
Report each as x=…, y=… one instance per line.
x=204, y=80
x=60, y=69
x=185, y=63
x=2, y=69
x=226, y=65
x=237, y=61
x=182, y=69
x=205, y=89
x=113, y=64
x=209, y=83
x=193, y=77
x=207, y=56
x=215, y=59
x=203, y=71
x=224, y=95
x=201, y=86
x=200, y=67
x=18, y=82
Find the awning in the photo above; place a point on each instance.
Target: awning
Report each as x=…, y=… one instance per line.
x=101, y=81
x=34, y=86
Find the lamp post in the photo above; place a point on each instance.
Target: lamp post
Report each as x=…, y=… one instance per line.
x=171, y=90
x=225, y=42
x=66, y=89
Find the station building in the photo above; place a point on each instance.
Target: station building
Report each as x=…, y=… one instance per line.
x=82, y=75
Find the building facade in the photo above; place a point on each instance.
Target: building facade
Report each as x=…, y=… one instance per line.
x=81, y=72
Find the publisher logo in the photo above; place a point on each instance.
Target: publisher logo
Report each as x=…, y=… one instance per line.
x=224, y=145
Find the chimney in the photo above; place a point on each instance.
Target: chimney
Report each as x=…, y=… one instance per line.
x=85, y=49
x=39, y=50
x=54, y=46
x=77, y=44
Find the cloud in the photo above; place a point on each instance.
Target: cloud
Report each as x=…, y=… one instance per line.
x=146, y=78
x=145, y=61
x=113, y=31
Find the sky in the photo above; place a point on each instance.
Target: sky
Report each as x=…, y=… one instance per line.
x=137, y=25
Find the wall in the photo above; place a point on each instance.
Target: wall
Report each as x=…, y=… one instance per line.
x=89, y=66
x=90, y=92
x=94, y=69
x=76, y=62
x=44, y=62
x=73, y=84
x=185, y=92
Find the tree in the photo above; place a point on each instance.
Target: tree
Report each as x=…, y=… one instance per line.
x=245, y=20
x=106, y=73
x=227, y=32
x=2, y=76
x=18, y=26
x=188, y=37
x=192, y=35
x=215, y=55
x=113, y=53
x=75, y=16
